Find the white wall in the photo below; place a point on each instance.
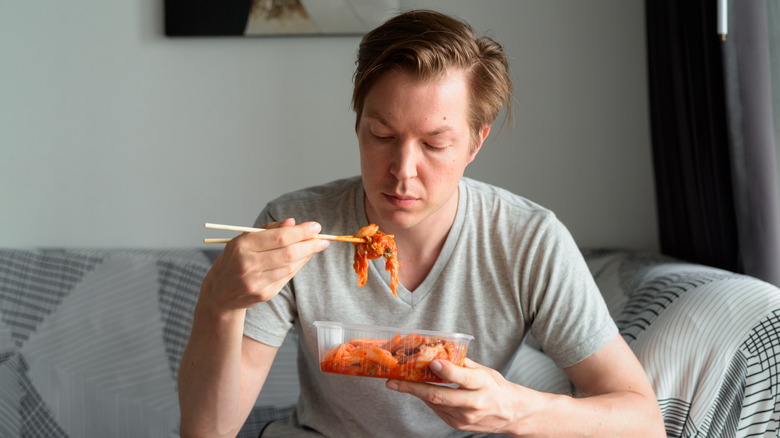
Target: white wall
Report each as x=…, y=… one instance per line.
x=112, y=134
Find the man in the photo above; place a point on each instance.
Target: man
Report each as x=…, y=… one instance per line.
x=474, y=259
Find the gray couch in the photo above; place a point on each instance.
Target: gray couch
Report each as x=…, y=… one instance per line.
x=90, y=341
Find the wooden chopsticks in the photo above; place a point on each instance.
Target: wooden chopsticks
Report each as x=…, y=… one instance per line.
x=351, y=239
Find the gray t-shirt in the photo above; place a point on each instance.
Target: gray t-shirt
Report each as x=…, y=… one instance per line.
x=508, y=266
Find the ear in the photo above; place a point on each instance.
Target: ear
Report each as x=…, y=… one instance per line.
x=483, y=133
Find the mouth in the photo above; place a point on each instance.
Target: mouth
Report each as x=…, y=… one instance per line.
x=403, y=201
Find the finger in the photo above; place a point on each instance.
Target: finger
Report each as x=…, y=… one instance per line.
x=288, y=258
x=281, y=234
x=463, y=376
x=289, y=222
x=266, y=284
x=417, y=389
x=433, y=395
x=308, y=230
x=468, y=363
x=287, y=271
x=284, y=223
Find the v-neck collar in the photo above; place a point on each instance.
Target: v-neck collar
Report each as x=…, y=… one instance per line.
x=377, y=266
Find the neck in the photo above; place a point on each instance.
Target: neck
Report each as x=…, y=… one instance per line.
x=419, y=246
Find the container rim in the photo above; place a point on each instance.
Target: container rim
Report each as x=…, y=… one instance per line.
x=349, y=326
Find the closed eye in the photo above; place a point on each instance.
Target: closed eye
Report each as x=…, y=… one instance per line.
x=435, y=147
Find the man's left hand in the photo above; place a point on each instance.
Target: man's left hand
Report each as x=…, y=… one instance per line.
x=483, y=402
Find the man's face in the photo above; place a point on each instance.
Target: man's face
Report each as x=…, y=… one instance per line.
x=415, y=144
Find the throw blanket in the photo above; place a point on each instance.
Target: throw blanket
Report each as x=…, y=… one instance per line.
x=709, y=340
x=91, y=339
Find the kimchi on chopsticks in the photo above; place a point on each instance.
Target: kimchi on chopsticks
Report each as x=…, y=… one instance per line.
x=377, y=244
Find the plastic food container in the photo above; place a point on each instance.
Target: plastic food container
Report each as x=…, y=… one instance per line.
x=386, y=352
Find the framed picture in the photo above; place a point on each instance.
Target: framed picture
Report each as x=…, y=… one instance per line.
x=275, y=17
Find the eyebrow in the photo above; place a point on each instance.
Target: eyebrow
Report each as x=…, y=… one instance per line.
x=441, y=130
x=444, y=129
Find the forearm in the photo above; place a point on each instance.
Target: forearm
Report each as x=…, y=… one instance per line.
x=210, y=375
x=616, y=414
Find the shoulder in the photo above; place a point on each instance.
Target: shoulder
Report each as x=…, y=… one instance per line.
x=317, y=203
x=512, y=223
x=322, y=191
x=497, y=204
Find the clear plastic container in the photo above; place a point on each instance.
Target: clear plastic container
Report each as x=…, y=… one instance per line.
x=386, y=352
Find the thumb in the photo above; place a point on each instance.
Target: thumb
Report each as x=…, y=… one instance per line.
x=444, y=369
x=465, y=376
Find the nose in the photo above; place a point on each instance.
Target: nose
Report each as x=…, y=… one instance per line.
x=405, y=160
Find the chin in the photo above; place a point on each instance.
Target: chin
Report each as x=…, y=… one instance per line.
x=396, y=219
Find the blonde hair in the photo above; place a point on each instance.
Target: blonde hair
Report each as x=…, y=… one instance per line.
x=428, y=44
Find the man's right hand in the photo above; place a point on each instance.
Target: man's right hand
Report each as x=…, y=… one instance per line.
x=254, y=267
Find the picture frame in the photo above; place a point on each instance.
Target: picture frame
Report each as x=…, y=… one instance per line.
x=264, y=18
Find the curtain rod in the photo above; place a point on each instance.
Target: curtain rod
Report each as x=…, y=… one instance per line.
x=723, y=19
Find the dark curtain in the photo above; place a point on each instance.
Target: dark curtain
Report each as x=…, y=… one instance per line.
x=712, y=136
x=696, y=217
x=753, y=150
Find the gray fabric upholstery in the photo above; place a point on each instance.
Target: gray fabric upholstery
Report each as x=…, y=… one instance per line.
x=90, y=342
x=709, y=340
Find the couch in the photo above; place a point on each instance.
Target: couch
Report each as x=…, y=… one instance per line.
x=90, y=341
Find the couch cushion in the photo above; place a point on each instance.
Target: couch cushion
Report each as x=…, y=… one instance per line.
x=90, y=339
x=708, y=339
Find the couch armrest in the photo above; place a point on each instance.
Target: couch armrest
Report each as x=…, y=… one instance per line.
x=708, y=339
